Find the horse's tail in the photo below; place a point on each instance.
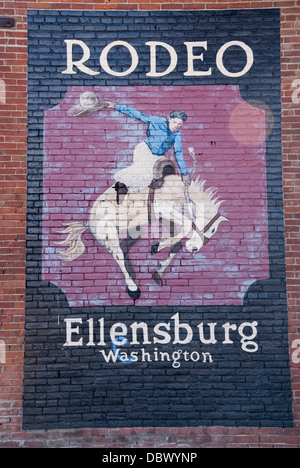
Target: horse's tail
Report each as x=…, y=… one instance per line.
x=73, y=241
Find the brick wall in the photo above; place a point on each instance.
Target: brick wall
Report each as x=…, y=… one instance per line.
x=13, y=113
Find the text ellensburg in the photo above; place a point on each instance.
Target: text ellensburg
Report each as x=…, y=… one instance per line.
x=174, y=332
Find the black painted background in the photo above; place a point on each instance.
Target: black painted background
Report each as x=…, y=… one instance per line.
x=65, y=387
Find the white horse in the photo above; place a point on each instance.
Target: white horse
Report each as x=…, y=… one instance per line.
x=193, y=215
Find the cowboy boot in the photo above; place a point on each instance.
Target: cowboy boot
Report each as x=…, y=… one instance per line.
x=121, y=189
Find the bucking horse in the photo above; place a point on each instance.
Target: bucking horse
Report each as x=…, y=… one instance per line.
x=190, y=212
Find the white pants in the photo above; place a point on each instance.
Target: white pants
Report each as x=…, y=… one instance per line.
x=139, y=175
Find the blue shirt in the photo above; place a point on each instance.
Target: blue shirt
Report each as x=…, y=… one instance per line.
x=159, y=137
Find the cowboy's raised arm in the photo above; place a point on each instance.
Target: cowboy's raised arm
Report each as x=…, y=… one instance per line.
x=129, y=111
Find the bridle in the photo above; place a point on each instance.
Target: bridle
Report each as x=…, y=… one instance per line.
x=207, y=227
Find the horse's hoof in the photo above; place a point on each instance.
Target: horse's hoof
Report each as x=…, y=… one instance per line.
x=157, y=278
x=154, y=249
x=135, y=295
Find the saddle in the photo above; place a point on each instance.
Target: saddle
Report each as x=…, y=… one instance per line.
x=161, y=169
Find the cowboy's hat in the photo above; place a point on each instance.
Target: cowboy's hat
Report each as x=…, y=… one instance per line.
x=88, y=104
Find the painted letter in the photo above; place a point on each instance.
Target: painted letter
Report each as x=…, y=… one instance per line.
x=296, y=353
x=247, y=344
x=296, y=93
x=173, y=56
x=228, y=327
x=2, y=92
x=106, y=50
x=91, y=332
x=134, y=327
x=79, y=64
x=187, y=329
x=114, y=334
x=101, y=333
x=2, y=352
x=212, y=338
x=191, y=57
x=166, y=336
x=70, y=331
x=250, y=59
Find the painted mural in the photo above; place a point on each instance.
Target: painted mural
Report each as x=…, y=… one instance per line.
x=126, y=204
x=156, y=287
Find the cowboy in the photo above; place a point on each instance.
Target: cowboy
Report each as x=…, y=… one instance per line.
x=162, y=135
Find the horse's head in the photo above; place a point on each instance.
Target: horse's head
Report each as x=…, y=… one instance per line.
x=206, y=216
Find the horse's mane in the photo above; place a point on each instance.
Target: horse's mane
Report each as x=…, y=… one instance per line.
x=199, y=194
